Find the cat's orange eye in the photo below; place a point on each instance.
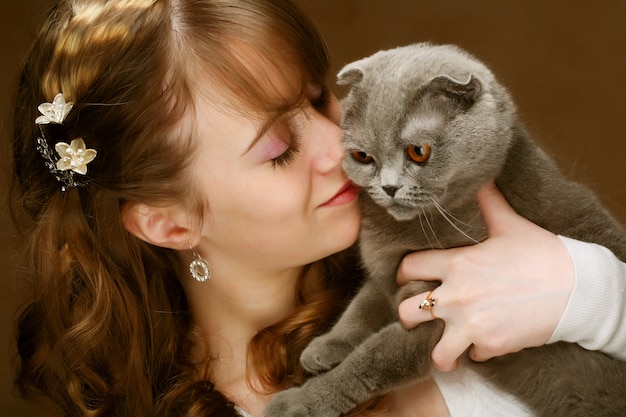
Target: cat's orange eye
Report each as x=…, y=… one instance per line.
x=418, y=153
x=362, y=157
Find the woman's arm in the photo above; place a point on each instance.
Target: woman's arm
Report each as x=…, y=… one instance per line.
x=514, y=289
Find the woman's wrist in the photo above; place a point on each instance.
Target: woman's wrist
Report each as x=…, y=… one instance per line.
x=595, y=317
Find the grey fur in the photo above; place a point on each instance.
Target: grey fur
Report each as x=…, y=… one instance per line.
x=443, y=97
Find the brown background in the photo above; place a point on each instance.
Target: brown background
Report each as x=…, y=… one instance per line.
x=563, y=60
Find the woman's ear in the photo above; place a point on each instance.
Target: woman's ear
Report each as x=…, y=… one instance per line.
x=158, y=226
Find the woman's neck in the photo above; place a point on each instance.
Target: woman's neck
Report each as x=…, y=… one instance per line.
x=227, y=312
x=240, y=306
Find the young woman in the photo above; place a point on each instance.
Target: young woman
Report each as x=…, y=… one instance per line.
x=187, y=224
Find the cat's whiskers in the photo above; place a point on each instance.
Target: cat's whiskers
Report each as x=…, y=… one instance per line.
x=450, y=215
x=432, y=231
x=449, y=219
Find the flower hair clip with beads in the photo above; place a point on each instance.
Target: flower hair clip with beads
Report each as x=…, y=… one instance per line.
x=70, y=159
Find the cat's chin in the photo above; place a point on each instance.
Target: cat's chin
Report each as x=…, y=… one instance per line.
x=402, y=214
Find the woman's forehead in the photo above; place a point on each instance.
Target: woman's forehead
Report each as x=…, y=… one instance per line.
x=259, y=86
x=270, y=75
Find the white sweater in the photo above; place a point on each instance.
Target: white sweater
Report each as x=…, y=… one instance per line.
x=595, y=318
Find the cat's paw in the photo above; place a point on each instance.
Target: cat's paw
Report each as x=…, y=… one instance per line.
x=294, y=403
x=324, y=353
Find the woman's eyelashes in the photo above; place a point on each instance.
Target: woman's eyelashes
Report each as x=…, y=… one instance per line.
x=284, y=143
x=289, y=154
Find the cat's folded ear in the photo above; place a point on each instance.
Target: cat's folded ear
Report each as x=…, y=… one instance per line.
x=351, y=74
x=463, y=92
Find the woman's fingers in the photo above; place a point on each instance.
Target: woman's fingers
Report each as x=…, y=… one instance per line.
x=417, y=309
x=453, y=342
x=452, y=345
x=425, y=265
x=482, y=354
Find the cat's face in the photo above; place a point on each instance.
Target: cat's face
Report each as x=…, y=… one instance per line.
x=397, y=170
x=418, y=140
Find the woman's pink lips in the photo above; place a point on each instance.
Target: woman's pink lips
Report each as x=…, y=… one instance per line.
x=346, y=194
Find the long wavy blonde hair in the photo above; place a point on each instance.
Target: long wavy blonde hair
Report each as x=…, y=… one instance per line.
x=107, y=330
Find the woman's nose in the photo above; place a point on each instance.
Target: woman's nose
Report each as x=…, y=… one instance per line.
x=330, y=151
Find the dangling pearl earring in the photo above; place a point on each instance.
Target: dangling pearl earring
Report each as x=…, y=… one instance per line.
x=199, y=268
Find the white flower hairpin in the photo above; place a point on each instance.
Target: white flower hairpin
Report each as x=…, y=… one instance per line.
x=74, y=156
x=54, y=112
x=71, y=158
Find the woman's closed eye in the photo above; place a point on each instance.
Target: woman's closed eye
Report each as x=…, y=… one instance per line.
x=288, y=154
x=319, y=98
x=280, y=144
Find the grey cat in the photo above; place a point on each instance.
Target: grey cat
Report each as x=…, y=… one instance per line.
x=425, y=127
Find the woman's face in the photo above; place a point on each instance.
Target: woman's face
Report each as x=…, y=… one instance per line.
x=281, y=200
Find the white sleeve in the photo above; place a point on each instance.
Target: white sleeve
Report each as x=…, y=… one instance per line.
x=595, y=317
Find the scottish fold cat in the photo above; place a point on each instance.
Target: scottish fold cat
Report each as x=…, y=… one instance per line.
x=425, y=126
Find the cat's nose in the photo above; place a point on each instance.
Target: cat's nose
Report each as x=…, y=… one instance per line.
x=390, y=190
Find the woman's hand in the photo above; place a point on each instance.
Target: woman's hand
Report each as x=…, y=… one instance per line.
x=500, y=296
